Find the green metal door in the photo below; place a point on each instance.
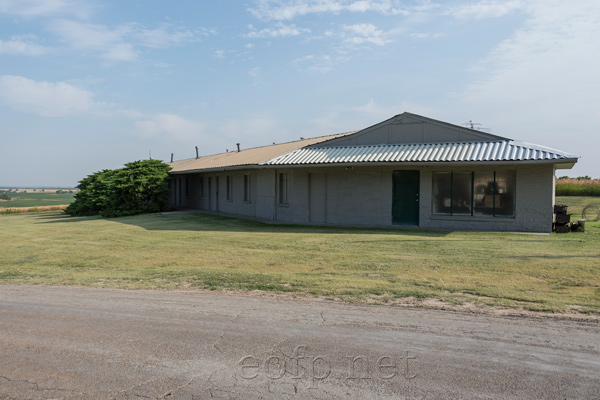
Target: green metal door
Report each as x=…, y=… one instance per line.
x=405, y=198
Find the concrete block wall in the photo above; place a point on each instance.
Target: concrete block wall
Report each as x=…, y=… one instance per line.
x=535, y=198
x=265, y=193
x=237, y=205
x=362, y=196
x=359, y=196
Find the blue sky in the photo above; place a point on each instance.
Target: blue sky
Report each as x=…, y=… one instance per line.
x=88, y=85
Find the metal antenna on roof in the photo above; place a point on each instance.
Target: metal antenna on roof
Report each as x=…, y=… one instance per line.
x=238, y=146
x=171, y=157
x=474, y=125
x=197, y=156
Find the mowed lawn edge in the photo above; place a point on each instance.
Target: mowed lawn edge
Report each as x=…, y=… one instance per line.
x=550, y=273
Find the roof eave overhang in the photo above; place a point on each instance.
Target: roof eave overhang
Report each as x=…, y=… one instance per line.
x=559, y=164
x=217, y=169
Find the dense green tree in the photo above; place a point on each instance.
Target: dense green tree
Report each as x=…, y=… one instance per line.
x=139, y=187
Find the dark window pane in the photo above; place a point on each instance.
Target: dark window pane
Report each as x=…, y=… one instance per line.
x=483, y=196
x=283, y=188
x=505, y=186
x=461, y=193
x=246, y=187
x=442, y=192
x=229, y=188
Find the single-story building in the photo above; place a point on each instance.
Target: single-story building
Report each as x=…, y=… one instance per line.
x=407, y=171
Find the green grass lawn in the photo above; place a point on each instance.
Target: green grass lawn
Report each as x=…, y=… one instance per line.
x=37, y=199
x=555, y=272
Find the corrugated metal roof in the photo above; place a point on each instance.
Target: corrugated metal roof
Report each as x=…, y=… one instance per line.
x=505, y=150
x=252, y=156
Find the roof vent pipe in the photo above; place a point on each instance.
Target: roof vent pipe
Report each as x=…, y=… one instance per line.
x=238, y=145
x=171, y=157
x=197, y=156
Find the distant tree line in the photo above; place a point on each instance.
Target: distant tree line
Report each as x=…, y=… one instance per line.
x=139, y=187
x=579, y=178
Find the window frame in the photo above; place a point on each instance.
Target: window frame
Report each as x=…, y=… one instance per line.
x=495, y=213
x=283, y=186
x=229, y=188
x=247, y=188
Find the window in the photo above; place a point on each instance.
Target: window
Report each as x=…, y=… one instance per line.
x=283, y=188
x=505, y=189
x=486, y=193
x=483, y=197
x=247, y=188
x=178, y=201
x=229, y=188
x=201, y=187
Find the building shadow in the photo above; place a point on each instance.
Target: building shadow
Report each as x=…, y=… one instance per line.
x=194, y=220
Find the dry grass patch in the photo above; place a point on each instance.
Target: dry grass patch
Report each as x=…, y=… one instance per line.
x=24, y=210
x=552, y=273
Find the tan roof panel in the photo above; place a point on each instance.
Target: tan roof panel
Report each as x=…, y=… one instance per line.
x=253, y=156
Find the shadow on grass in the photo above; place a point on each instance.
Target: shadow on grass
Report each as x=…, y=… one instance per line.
x=217, y=223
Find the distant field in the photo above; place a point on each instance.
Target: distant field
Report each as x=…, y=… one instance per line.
x=578, y=187
x=36, y=199
x=554, y=273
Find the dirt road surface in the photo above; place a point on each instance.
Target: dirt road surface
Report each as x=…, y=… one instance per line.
x=82, y=343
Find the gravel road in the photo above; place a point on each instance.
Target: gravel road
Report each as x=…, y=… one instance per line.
x=76, y=343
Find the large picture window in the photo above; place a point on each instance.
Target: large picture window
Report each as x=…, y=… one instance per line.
x=486, y=193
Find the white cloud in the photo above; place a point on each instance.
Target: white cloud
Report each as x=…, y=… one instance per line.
x=311, y=63
x=121, y=43
x=170, y=126
x=557, y=48
x=380, y=112
x=280, y=30
x=547, y=71
x=364, y=33
x=56, y=99
x=45, y=99
x=22, y=45
x=167, y=35
x=97, y=39
x=290, y=9
x=45, y=8
x=486, y=9
x=251, y=131
x=425, y=35
x=256, y=76
x=345, y=119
